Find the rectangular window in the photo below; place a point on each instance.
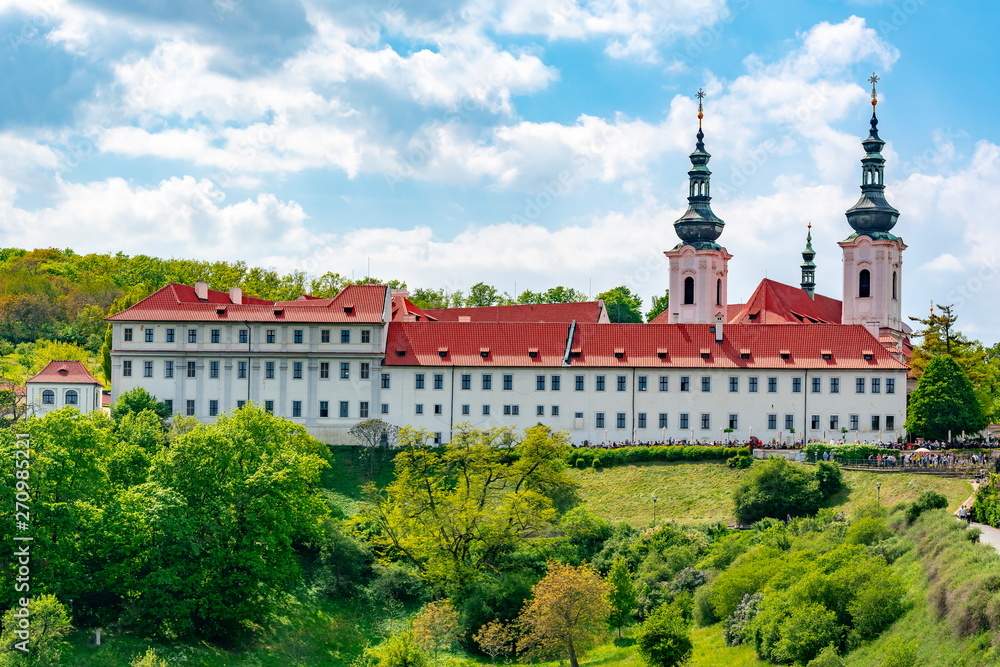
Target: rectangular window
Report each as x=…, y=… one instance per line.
x=706, y=421
x=437, y=437
x=296, y=370
x=579, y=383
x=539, y=383
x=834, y=422
x=486, y=410
x=216, y=335
x=685, y=421
x=641, y=420
x=324, y=335
x=268, y=370
x=269, y=336
x=752, y=385
x=599, y=420
x=890, y=422
x=385, y=408
x=170, y=405
x=213, y=369
x=324, y=370
x=876, y=386
x=244, y=336
x=814, y=422
x=508, y=382
x=345, y=335
x=487, y=382
x=600, y=383
x=734, y=383
x=149, y=335
x=465, y=409
x=555, y=411
x=772, y=422
x=539, y=410
x=622, y=382
x=855, y=423
x=817, y=385
x=506, y=409
x=734, y=421
x=190, y=408
x=241, y=369
x=796, y=385
x=438, y=381
x=859, y=385
x=642, y=383
x=706, y=383
x=418, y=381
x=190, y=369
x=876, y=422
x=834, y=385
x=147, y=369
x=420, y=408
x=127, y=334
x=324, y=408
x=620, y=420
x=297, y=336
x=168, y=369
x=296, y=408
x=772, y=385
x=789, y=421
x=240, y=404
x=366, y=370
x=345, y=409
x=192, y=335
x=555, y=381
x=345, y=370
x=363, y=409
x=366, y=336
x=127, y=368
x=890, y=385
x=170, y=335
x=685, y=383
x=467, y=381
x=664, y=383
x=663, y=420
x=385, y=380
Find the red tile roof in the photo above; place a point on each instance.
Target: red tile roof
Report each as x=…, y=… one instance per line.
x=636, y=345
x=178, y=303
x=483, y=344
x=581, y=311
x=65, y=372
x=776, y=303
x=401, y=307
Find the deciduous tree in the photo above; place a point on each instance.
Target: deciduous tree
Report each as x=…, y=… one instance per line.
x=623, y=596
x=622, y=305
x=944, y=401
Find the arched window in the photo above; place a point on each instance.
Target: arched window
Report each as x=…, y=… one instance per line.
x=894, y=285
x=71, y=397
x=718, y=292
x=48, y=397
x=689, y=290
x=865, y=283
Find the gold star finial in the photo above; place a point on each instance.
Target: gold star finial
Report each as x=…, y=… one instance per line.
x=873, y=80
x=700, y=95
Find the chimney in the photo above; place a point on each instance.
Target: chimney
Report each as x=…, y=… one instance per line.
x=400, y=292
x=465, y=318
x=201, y=290
x=409, y=317
x=675, y=318
x=718, y=328
x=236, y=295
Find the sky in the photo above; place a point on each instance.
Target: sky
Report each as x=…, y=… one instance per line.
x=522, y=143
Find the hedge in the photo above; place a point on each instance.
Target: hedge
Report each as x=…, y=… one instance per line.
x=585, y=457
x=846, y=452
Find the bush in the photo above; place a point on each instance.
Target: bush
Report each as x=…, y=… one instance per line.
x=704, y=612
x=827, y=658
x=868, y=531
x=740, y=461
x=829, y=478
x=793, y=633
x=735, y=631
x=777, y=489
x=663, y=640
x=631, y=455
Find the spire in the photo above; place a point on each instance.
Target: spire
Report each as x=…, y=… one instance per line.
x=872, y=216
x=808, y=266
x=699, y=227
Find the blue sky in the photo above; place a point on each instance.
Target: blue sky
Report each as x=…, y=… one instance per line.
x=520, y=143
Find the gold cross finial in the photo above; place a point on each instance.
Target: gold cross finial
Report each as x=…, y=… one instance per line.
x=873, y=80
x=700, y=95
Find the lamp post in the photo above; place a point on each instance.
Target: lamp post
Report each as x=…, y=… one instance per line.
x=654, y=509
x=878, y=491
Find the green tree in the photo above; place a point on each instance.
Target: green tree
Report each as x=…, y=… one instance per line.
x=660, y=304
x=400, y=650
x=135, y=401
x=436, y=627
x=482, y=294
x=944, y=401
x=664, y=639
x=775, y=488
x=49, y=625
x=622, y=305
x=623, y=597
x=377, y=438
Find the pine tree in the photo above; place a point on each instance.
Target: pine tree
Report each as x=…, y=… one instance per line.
x=944, y=401
x=623, y=597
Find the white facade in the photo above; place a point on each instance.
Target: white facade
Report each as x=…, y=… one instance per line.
x=873, y=283
x=44, y=397
x=698, y=285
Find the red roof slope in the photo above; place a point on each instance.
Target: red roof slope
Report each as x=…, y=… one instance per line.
x=776, y=303
x=356, y=303
x=401, y=307
x=476, y=344
x=65, y=372
x=581, y=311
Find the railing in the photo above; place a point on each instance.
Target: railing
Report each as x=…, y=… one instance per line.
x=963, y=466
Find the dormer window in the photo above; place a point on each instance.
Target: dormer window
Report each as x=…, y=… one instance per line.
x=220, y=310
x=442, y=352
x=619, y=353
x=400, y=353
x=868, y=355
x=705, y=353
x=827, y=355
x=278, y=312
x=661, y=353
x=348, y=310
x=744, y=354
x=533, y=352
x=484, y=352
x=575, y=353
x=753, y=317
x=785, y=354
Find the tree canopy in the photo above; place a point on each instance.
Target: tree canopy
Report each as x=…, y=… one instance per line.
x=622, y=305
x=944, y=401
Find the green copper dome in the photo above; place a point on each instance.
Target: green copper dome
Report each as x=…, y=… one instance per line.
x=872, y=216
x=699, y=226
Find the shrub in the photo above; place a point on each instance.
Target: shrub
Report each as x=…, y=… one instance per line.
x=777, y=489
x=663, y=640
x=740, y=461
x=597, y=464
x=735, y=631
x=704, y=612
x=827, y=658
x=828, y=478
x=793, y=633
x=868, y=531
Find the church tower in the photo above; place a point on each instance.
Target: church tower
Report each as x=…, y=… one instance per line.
x=699, y=267
x=808, y=266
x=873, y=257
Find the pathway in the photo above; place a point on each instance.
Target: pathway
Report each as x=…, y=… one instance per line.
x=988, y=534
